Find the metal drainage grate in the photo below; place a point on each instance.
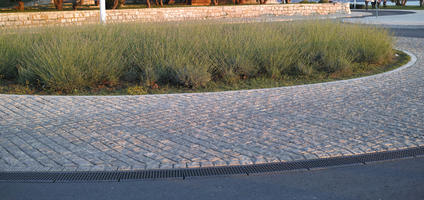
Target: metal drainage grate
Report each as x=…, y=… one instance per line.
x=207, y=171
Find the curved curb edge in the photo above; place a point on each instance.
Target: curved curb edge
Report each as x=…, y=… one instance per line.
x=409, y=64
x=208, y=171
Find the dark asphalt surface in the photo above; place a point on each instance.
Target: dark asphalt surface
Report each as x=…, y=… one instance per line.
x=396, y=179
x=383, y=12
x=417, y=32
x=400, y=32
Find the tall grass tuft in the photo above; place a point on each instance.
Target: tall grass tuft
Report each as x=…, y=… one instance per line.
x=12, y=47
x=186, y=54
x=67, y=59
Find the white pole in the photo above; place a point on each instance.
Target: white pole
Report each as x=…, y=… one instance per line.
x=376, y=8
x=102, y=12
x=354, y=4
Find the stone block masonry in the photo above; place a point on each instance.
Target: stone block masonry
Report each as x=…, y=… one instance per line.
x=33, y=19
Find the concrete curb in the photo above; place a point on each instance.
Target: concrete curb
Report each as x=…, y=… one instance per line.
x=410, y=63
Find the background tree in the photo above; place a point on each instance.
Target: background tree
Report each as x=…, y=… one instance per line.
x=58, y=4
x=404, y=2
x=20, y=6
x=160, y=2
x=397, y=2
x=113, y=4
x=76, y=3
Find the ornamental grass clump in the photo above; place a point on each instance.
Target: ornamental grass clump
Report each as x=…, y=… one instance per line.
x=191, y=55
x=10, y=52
x=66, y=60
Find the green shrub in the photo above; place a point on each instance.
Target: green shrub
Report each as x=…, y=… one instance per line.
x=323, y=1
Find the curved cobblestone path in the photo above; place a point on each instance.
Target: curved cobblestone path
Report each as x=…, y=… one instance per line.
x=50, y=133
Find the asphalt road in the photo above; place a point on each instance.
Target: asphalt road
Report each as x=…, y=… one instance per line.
x=416, y=32
x=396, y=179
x=383, y=12
x=401, y=32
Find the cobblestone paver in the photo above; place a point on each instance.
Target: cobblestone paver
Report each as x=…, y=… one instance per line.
x=50, y=133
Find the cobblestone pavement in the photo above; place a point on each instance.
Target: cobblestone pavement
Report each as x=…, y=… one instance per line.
x=51, y=133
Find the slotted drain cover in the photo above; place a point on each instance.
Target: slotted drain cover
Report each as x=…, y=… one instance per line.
x=207, y=171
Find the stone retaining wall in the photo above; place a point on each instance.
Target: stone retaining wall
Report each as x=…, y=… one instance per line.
x=31, y=19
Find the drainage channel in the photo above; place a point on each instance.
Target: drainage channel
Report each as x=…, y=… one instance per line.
x=207, y=171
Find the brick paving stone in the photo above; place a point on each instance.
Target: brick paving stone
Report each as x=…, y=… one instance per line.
x=95, y=133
